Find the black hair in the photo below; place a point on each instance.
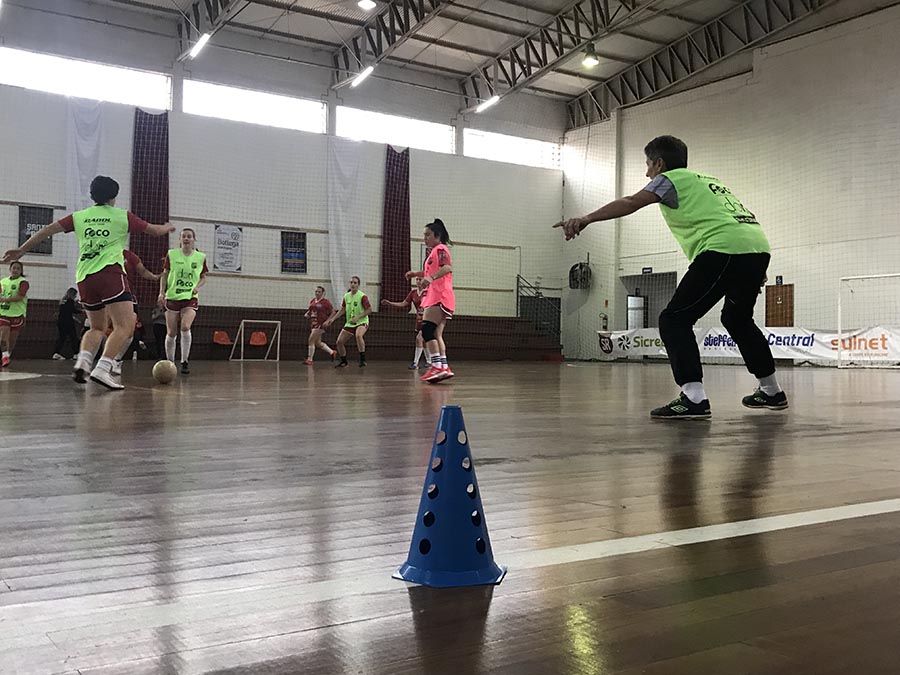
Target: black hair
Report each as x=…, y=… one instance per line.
x=19, y=263
x=439, y=230
x=323, y=289
x=358, y=280
x=672, y=151
x=103, y=189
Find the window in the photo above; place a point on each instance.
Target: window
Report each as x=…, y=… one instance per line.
x=84, y=79
x=363, y=125
x=512, y=149
x=256, y=107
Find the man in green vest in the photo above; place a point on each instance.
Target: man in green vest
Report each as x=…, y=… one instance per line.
x=729, y=255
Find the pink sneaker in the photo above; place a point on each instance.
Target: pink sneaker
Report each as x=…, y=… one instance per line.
x=5, y=361
x=308, y=362
x=446, y=374
x=432, y=375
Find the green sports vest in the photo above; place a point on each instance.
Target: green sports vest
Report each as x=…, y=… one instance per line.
x=9, y=287
x=184, y=274
x=102, y=233
x=353, y=307
x=710, y=218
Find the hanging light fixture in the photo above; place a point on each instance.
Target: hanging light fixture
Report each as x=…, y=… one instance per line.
x=590, y=57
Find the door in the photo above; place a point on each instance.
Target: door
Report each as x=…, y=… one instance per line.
x=780, y=306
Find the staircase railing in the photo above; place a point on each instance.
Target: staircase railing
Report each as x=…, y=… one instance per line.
x=532, y=304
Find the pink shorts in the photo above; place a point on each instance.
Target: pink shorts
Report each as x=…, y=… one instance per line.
x=103, y=288
x=178, y=305
x=15, y=323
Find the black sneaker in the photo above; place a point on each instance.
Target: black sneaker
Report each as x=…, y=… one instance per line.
x=184, y=368
x=682, y=408
x=342, y=364
x=759, y=399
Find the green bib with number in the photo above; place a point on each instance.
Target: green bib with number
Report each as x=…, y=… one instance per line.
x=9, y=288
x=710, y=218
x=184, y=274
x=353, y=307
x=102, y=233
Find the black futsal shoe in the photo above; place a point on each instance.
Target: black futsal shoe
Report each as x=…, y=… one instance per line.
x=682, y=408
x=184, y=368
x=342, y=363
x=759, y=399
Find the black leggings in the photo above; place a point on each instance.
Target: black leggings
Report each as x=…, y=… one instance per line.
x=710, y=277
x=67, y=333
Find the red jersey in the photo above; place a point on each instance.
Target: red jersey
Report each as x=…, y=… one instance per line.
x=415, y=300
x=319, y=311
x=131, y=264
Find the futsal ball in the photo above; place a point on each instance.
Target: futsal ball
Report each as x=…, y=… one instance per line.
x=164, y=371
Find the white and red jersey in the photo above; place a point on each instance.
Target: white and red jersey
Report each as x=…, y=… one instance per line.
x=319, y=311
x=439, y=291
x=415, y=299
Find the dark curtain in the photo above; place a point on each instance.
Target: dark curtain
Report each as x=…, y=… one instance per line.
x=150, y=194
x=395, y=226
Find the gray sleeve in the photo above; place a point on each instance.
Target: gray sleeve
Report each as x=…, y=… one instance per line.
x=663, y=188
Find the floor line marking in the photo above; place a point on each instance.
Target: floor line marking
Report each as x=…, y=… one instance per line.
x=75, y=618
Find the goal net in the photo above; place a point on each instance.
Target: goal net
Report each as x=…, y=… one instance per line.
x=869, y=321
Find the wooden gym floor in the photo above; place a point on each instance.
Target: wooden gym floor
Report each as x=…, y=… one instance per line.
x=246, y=520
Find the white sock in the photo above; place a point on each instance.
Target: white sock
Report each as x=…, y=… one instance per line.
x=694, y=391
x=769, y=385
x=434, y=360
x=442, y=359
x=7, y=354
x=310, y=352
x=325, y=348
x=85, y=355
x=419, y=351
x=105, y=363
x=185, y=345
x=170, y=347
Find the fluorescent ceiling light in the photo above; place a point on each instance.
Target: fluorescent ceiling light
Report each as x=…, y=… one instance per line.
x=362, y=75
x=197, y=47
x=493, y=100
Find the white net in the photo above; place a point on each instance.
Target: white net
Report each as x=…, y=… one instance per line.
x=869, y=322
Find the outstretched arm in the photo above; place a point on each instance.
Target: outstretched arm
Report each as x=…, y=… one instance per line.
x=45, y=232
x=618, y=208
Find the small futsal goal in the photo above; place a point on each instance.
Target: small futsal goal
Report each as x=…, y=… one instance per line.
x=868, y=321
x=256, y=335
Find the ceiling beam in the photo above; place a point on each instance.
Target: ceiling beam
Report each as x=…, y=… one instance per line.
x=391, y=26
x=732, y=32
x=558, y=39
x=209, y=17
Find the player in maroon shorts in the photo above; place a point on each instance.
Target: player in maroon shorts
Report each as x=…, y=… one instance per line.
x=320, y=309
x=13, y=304
x=184, y=274
x=413, y=299
x=102, y=231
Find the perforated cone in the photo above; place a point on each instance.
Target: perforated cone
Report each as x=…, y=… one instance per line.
x=450, y=544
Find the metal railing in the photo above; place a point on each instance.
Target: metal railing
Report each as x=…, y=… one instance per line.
x=532, y=304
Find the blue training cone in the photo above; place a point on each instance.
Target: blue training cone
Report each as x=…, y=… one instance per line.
x=450, y=544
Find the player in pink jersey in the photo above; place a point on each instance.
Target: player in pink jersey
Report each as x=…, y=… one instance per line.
x=320, y=308
x=439, y=301
x=413, y=299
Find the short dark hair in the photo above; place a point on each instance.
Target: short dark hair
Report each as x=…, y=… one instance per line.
x=323, y=289
x=439, y=230
x=103, y=189
x=672, y=151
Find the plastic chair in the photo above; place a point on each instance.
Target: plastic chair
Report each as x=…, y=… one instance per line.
x=220, y=337
x=258, y=339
